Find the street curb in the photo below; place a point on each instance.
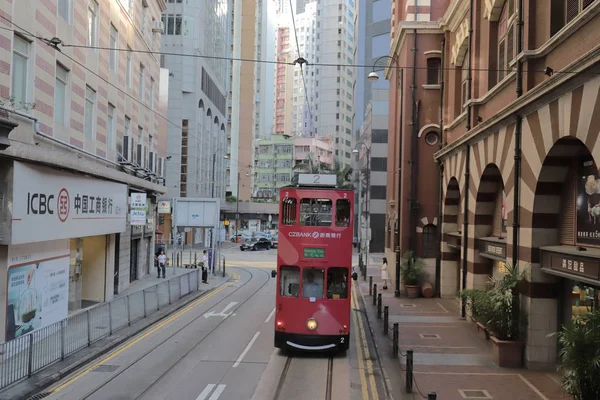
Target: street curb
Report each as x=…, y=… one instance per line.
x=50, y=380
x=386, y=378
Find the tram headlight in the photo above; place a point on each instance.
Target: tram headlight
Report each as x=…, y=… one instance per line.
x=311, y=324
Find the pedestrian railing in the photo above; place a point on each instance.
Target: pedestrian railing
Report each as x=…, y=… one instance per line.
x=22, y=357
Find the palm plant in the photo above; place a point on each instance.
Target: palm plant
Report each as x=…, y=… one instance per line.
x=579, y=356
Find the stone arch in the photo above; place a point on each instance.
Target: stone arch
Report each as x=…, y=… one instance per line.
x=492, y=9
x=201, y=104
x=223, y=127
x=216, y=121
x=428, y=128
x=489, y=192
x=450, y=263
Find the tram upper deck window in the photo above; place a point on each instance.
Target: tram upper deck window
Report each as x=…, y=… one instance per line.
x=289, y=278
x=316, y=212
x=288, y=211
x=337, y=283
x=312, y=282
x=342, y=212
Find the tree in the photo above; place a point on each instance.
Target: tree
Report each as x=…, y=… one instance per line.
x=342, y=172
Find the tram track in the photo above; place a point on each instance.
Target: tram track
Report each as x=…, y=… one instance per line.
x=285, y=387
x=170, y=337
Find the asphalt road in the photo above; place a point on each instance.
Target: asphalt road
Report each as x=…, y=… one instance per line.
x=220, y=347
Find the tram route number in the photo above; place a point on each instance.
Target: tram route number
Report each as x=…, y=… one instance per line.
x=342, y=340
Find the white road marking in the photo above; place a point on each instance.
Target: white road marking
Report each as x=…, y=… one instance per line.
x=217, y=392
x=270, y=315
x=205, y=392
x=223, y=313
x=241, y=357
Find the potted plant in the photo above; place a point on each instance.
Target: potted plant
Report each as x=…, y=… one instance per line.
x=579, y=356
x=498, y=309
x=411, y=270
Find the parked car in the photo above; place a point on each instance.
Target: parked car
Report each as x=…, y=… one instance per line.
x=256, y=244
x=274, y=242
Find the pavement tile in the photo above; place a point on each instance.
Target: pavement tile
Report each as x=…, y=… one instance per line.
x=458, y=356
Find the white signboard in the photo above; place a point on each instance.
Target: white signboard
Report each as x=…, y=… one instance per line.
x=164, y=207
x=317, y=180
x=49, y=204
x=138, y=217
x=37, y=286
x=196, y=212
x=138, y=200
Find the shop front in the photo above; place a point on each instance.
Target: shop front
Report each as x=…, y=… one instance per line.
x=58, y=245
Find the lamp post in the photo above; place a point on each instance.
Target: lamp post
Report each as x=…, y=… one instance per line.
x=367, y=198
x=214, y=161
x=237, y=202
x=373, y=77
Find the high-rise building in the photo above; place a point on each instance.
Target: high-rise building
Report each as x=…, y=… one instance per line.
x=371, y=123
x=86, y=130
x=252, y=90
x=198, y=97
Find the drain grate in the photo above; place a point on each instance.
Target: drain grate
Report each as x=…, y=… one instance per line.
x=40, y=395
x=429, y=336
x=474, y=394
x=408, y=305
x=105, y=368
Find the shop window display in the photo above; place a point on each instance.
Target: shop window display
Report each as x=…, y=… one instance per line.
x=584, y=299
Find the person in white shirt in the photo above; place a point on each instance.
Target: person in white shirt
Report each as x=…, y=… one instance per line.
x=384, y=273
x=162, y=263
x=205, y=265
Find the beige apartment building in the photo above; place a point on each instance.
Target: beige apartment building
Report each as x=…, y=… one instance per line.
x=82, y=153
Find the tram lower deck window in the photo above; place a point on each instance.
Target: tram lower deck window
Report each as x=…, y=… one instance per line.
x=312, y=282
x=337, y=283
x=316, y=212
x=289, y=281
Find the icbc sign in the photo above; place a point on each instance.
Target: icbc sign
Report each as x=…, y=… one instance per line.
x=43, y=203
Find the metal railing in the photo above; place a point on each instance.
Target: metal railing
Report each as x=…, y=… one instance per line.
x=20, y=358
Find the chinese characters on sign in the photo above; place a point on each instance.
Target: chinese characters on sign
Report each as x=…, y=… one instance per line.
x=316, y=235
x=137, y=213
x=86, y=204
x=588, y=267
x=575, y=266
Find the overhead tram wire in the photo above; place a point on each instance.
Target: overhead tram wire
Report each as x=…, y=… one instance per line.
x=319, y=64
x=301, y=60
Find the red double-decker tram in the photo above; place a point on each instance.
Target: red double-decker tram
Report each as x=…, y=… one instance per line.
x=314, y=265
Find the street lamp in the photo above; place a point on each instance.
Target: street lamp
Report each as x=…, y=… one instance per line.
x=367, y=197
x=237, y=205
x=373, y=77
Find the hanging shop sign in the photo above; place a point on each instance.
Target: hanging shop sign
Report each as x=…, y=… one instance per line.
x=164, y=207
x=49, y=204
x=138, y=200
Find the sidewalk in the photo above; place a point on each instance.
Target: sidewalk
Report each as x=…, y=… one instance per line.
x=451, y=357
x=86, y=335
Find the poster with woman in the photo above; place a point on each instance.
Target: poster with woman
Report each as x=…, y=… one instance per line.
x=588, y=204
x=38, y=289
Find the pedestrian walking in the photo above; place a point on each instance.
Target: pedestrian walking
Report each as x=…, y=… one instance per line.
x=205, y=267
x=162, y=263
x=384, y=273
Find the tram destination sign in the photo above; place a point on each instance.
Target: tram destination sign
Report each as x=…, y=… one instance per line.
x=314, y=252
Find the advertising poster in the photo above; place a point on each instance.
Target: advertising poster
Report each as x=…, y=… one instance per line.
x=588, y=204
x=37, y=287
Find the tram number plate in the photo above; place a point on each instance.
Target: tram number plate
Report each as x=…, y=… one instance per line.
x=313, y=252
x=342, y=340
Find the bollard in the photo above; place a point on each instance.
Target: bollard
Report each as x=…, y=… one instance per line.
x=432, y=396
x=386, y=319
x=375, y=294
x=370, y=286
x=178, y=259
x=395, y=340
x=195, y=260
x=409, y=371
x=379, y=306
x=360, y=262
x=223, y=267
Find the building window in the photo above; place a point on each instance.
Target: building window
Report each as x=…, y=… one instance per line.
x=574, y=8
x=90, y=111
x=129, y=71
x=114, y=44
x=92, y=39
x=506, y=38
x=141, y=92
x=20, y=70
x=431, y=138
x=110, y=128
x=433, y=70
x=127, y=126
x=465, y=81
x=64, y=7
x=151, y=93
x=429, y=242
x=60, y=94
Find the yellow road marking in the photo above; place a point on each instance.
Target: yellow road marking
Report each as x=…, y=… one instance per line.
x=363, y=335
x=361, y=368
x=137, y=340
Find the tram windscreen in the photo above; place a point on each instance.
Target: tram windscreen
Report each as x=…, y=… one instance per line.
x=289, y=281
x=316, y=212
x=312, y=282
x=337, y=283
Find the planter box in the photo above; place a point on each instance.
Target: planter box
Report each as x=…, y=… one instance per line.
x=507, y=353
x=412, y=291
